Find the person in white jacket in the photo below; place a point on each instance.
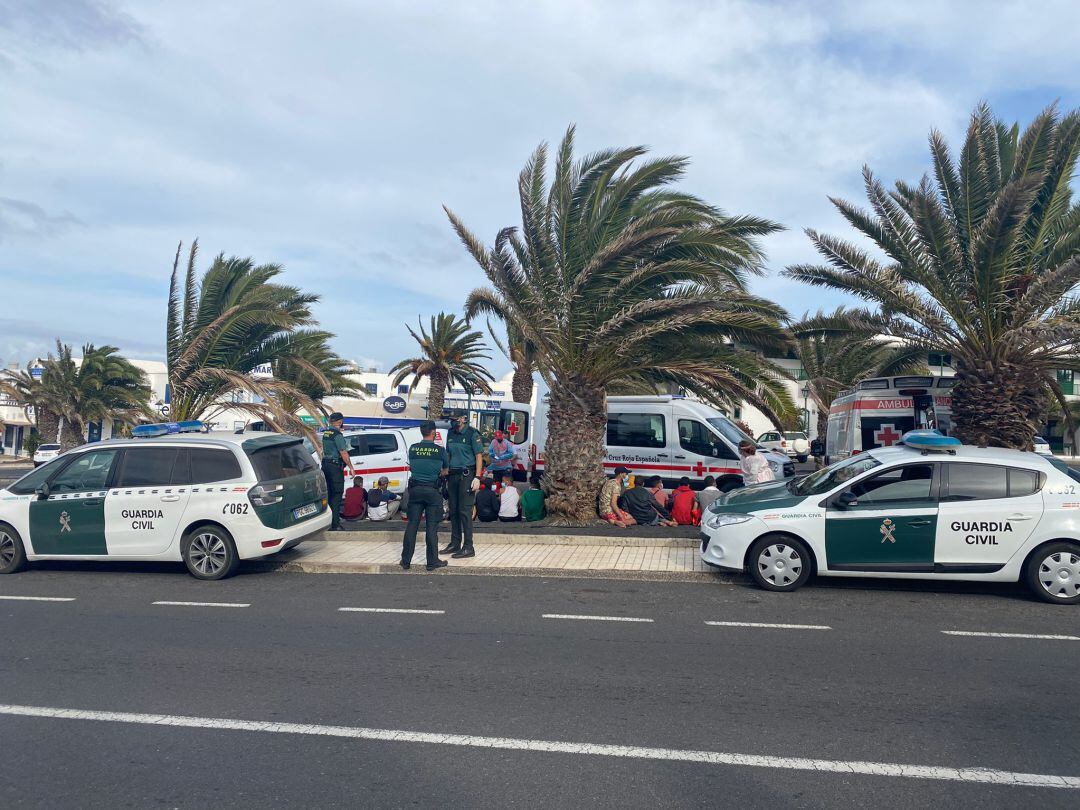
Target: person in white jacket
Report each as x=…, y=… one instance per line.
x=755, y=467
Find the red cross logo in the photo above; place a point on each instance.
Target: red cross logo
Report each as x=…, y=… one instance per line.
x=887, y=436
x=699, y=469
x=512, y=430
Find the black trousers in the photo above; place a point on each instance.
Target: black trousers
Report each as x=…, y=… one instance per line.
x=427, y=500
x=335, y=488
x=461, y=497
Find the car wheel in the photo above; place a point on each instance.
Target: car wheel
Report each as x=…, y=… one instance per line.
x=12, y=553
x=209, y=553
x=1053, y=573
x=779, y=563
x=801, y=459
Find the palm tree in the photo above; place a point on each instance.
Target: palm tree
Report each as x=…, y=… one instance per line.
x=981, y=262
x=449, y=354
x=222, y=329
x=840, y=348
x=332, y=379
x=522, y=356
x=613, y=278
x=25, y=389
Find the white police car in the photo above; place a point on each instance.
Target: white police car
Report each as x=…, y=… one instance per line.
x=963, y=514
x=209, y=499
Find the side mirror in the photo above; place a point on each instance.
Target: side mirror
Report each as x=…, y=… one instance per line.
x=42, y=492
x=846, y=499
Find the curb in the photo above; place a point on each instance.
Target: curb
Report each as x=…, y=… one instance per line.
x=508, y=539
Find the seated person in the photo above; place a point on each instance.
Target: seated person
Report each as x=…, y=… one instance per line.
x=684, y=505
x=642, y=504
x=532, y=503
x=354, y=504
x=382, y=503
x=509, y=498
x=487, y=502
x=608, y=503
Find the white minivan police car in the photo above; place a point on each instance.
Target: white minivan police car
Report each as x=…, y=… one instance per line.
x=962, y=514
x=208, y=499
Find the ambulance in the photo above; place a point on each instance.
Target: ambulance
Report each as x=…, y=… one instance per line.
x=952, y=512
x=174, y=493
x=877, y=412
x=378, y=451
x=670, y=436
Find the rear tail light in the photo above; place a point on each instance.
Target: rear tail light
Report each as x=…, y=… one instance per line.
x=271, y=543
x=267, y=494
x=783, y=443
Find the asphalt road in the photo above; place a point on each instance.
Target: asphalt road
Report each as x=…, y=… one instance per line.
x=884, y=684
x=10, y=472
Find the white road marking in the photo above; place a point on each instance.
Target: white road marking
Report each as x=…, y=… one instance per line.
x=39, y=598
x=593, y=618
x=207, y=604
x=1009, y=635
x=774, y=626
x=976, y=775
x=388, y=610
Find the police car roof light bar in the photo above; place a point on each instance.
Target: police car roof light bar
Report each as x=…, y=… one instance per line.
x=929, y=441
x=165, y=428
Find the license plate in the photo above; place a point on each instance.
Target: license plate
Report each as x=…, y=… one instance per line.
x=304, y=511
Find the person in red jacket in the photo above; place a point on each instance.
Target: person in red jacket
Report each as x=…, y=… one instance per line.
x=684, y=507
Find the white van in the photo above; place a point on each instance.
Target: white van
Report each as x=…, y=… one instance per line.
x=879, y=410
x=669, y=436
x=379, y=451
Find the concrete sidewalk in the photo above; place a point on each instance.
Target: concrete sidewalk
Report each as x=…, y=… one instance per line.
x=518, y=554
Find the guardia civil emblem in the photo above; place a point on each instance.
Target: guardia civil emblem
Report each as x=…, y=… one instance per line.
x=887, y=529
x=65, y=522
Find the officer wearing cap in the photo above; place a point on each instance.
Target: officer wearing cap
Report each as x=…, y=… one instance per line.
x=335, y=458
x=427, y=464
x=466, y=451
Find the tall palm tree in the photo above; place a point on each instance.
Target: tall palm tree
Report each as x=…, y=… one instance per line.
x=840, y=348
x=449, y=353
x=24, y=388
x=981, y=262
x=615, y=277
x=224, y=327
x=522, y=355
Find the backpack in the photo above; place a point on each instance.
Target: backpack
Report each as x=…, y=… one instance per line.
x=354, y=507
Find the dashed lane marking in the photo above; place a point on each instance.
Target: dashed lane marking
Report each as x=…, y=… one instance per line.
x=389, y=610
x=39, y=598
x=773, y=626
x=593, y=618
x=207, y=604
x=969, y=775
x=1010, y=635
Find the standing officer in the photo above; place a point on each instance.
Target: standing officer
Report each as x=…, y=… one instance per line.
x=335, y=457
x=466, y=451
x=428, y=463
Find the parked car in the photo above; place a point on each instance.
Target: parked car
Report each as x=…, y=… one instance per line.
x=1042, y=447
x=793, y=444
x=45, y=453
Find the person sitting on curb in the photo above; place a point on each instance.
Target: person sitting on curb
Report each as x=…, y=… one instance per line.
x=487, y=502
x=708, y=495
x=532, y=503
x=643, y=506
x=684, y=506
x=509, y=500
x=608, y=503
x=382, y=503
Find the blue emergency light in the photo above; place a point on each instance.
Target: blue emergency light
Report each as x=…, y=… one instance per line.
x=165, y=428
x=930, y=441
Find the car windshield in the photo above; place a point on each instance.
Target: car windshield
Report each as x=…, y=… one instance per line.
x=834, y=475
x=729, y=431
x=48, y=447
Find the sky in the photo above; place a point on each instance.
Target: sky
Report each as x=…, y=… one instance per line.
x=326, y=136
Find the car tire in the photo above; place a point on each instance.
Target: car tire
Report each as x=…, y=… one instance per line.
x=209, y=553
x=779, y=563
x=12, y=552
x=801, y=459
x=1053, y=573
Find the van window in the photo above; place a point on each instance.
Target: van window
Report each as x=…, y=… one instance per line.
x=729, y=430
x=149, y=467
x=695, y=437
x=87, y=472
x=31, y=481
x=209, y=464
x=976, y=482
x=515, y=424
x=370, y=444
x=636, y=430
x=281, y=461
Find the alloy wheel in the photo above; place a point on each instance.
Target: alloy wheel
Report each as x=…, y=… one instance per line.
x=208, y=553
x=779, y=564
x=1059, y=574
x=7, y=549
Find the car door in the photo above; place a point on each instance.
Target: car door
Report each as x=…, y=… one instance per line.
x=379, y=453
x=987, y=512
x=884, y=522
x=705, y=451
x=147, y=500
x=71, y=520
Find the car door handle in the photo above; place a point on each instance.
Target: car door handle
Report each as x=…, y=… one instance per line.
x=396, y=458
x=1019, y=517
x=170, y=498
x=91, y=501
x=915, y=523
x=680, y=456
x=661, y=455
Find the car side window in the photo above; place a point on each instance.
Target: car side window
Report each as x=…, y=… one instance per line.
x=30, y=482
x=976, y=482
x=1023, y=482
x=89, y=472
x=695, y=437
x=148, y=466
x=636, y=430
x=381, y=443
x=912, y=483
x=210, y=464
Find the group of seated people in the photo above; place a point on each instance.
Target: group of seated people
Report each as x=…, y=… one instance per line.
x=647, y=504
x=498, y=499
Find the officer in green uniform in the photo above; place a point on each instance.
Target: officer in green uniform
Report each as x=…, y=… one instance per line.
x=335, y=458
x=427, y=464
x=466, y=451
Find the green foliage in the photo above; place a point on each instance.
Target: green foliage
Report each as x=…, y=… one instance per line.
x=32, y=442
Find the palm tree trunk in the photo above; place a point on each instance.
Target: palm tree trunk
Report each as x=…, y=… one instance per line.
x=521, y=387
x=993, y=405
x=60, y=431
x=822, y=422
x=574, y=453
x=437, y=394
x=47, y=424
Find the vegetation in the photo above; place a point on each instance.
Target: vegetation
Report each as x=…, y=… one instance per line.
x=236, y=319
x=449, y=353
x=981, y=262
x=522, y=356
x=615, y=278
x=840, y=348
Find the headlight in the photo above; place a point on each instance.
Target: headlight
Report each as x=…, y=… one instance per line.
x=725, y=519
x=777, y=468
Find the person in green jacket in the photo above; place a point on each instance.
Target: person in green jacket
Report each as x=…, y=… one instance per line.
x=532, y=503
